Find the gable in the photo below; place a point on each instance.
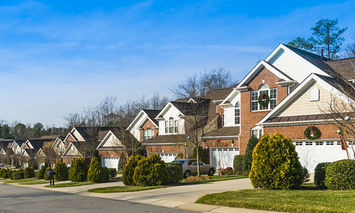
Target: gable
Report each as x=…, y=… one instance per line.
x=111, y=141
x=41, y=154
x=70, y=138
x=77, y=135
x=2, y=152
x=72, y=151
x=265, y=76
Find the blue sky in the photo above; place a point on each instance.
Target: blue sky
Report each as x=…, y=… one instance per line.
x=57, y=57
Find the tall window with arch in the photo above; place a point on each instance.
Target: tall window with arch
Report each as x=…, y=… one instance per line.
x=148, y=134
x=171, y=126
x=261, y=92
x=237, y=113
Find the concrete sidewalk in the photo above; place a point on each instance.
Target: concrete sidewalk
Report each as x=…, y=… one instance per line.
x=180, y=197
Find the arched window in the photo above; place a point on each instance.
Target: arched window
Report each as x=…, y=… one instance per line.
x=171, y=126
x=237, y=113
x=263, y=89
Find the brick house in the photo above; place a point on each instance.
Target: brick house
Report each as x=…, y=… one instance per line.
x=144, y=126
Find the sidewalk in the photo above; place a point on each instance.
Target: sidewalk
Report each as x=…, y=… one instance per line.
x=180, y=197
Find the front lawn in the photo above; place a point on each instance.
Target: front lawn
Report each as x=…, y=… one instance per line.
x=214, y=179
x=285, y=200
x=70, y=184
x=114, y=189
x=34, y=182
x=19, y=181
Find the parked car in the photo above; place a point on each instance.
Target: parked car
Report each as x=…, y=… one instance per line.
x=189, y=167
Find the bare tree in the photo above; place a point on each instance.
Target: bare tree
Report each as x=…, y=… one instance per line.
x=197, y=85
x=350, y=48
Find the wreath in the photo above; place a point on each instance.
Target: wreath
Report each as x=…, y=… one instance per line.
x=312, y=133
x=264, y=99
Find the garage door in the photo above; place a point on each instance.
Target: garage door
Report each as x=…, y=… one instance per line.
x=167, y=157
x=110, y=162
x=223, y=157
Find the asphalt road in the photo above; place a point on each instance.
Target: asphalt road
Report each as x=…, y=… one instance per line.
x=21, y=199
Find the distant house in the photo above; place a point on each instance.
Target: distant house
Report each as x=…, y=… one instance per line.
x=144, y=126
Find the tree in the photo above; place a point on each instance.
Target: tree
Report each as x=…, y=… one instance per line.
x=326, y=36
x=199, y=85
x=38, y=130
x=5, y=132
x=350, y=49
x=248, y=158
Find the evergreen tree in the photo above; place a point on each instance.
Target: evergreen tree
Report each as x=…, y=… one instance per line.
x=248, y=158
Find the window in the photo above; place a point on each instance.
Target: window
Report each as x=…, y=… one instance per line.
x=308, y=143
x=263, y=89
x=237, y=113
x=319, y=143
x=257, y=131
x=298, y=143
x=223, y=119
x=148, y=134
x=171, y=126
x=330, y=143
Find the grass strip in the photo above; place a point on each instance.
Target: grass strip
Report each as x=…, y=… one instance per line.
x=115, y=189
x=70, y=184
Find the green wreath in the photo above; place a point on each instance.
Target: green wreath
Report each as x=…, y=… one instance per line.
x=312, y=133
x=264, y=99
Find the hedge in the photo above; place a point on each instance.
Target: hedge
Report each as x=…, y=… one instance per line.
x=78, y=170
x=319, y=175
x=40, y=173
x=238, y=163
x=275, y=164
x=29, y=172
x=112, y=172
x=340, y=175
x=175, y=174
x=61, y=171
x=248, y=156
x=128, y=171
x=150, y=171
x=18, y=176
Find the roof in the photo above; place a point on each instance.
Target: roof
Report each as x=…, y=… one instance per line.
x=31, y=152
x=225, y=131
x=304, y=118
x=167, y=139
x=219, y=94
x=97, y=132
x=8, y=151
x=188, y=108
x=125, y=137
x=340, y=84
x=345, y=67
x=152, y=114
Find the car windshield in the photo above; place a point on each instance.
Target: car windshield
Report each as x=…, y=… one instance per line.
x=178, y=161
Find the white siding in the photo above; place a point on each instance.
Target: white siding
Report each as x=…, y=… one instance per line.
x=229, y=111
x=135, y=129
x=78, y=136
x=112, y=141
x=172, y=112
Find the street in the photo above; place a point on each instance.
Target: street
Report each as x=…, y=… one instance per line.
x=23, y=199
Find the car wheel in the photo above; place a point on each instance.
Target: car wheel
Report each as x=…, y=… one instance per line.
x=211, y=172
x=187, y=174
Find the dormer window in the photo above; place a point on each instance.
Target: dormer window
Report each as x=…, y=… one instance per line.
x=171, y=126
x=237, y=113
x=262, y=93
x=148, y=134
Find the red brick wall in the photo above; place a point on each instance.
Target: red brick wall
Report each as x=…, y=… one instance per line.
x=249, y=119
x=145, y=126
x=297, y=132
x=166, y=149
x=221, y=143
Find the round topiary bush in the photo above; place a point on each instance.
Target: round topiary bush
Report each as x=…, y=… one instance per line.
x=319, y=175
x=340, y=175
x=78, y=170
x=61, y=171
x=150, y=171
x=29, y=172
x=128, y=171
x=275, y=164
x=248, y=156
x=238, y=163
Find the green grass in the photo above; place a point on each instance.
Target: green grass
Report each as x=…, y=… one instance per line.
x=115, y=189
x=308, y=200
x=70, y=184
x=34, y=182
x=215, y=178
x=19, y=181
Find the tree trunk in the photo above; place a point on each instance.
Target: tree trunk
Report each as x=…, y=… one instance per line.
x=198, y=161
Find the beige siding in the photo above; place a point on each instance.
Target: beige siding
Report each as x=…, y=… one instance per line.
x=112, y=141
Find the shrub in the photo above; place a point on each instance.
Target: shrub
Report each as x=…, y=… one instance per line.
x=319, y=175
x=150, y=171
x=248, y=156
x=78, y=170
x=97, y=173
x=40, y=173
x=61, y=171
x=196, y=179
x=238, y=164
x=202, y=154
x=179, y=156
x=3, y=171
x=46, y=176
x=228, y=171
x=275, y=164
x=32, y=163
x=18, y=176
x=340, y=175
x=9, y=173
x=29, y=172
x=175, y=174
x=305, y=175
x=128, y=171
x=112, y=172
x=122, y=162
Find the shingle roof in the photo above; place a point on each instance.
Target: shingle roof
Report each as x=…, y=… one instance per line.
x=345, y=67
x=97, y=132
x=8, y=151
x=219, y=94
x=189, y=108
x=312, y=117
x=126, y=138
x=167, y=139
x=340, y=84
x=152, y=114
x=225, y=131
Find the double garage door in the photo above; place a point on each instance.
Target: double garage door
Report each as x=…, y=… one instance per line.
x=223, y=157
x=168, y=157
x=110, y=162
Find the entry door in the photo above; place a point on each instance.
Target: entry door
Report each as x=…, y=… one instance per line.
x=223, y=157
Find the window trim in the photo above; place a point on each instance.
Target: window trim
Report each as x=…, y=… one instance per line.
x=171, y=126
x=237, y=107
x=256, y=101
x=260, y=131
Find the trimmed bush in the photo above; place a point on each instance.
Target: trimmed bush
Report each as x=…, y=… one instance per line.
x=340, y=175
x=275, y=164
x=18, y=176
x=40, y=173
x=150, y=171
x=122, y=162
x=319, y=175
x=78, y=170
x=202, y=154
x=3, y=171
x=61, y=171
x=97, y=173
x=46, y=176
x=29, y=172
x=174, y=171
x=248, y=156
x=305, y=175
x=112, y=172
x=238, y=164
x=128, y=171
x=228, y=171
x=9, y=173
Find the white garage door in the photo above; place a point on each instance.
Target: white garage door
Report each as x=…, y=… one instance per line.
x=311, y=153
x=167, y=157
x=110, y=162
x=223, y=157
